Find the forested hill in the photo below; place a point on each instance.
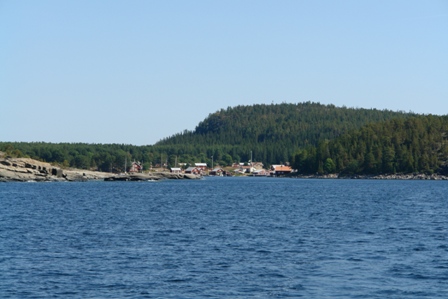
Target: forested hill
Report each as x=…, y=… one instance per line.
x=271, y=132
x=298, y=124
x=417, y=144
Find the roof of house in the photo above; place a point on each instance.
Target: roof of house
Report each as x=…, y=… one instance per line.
x=283, y=168
x=200, y=164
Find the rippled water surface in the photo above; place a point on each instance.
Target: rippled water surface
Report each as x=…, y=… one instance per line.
x=224, y=238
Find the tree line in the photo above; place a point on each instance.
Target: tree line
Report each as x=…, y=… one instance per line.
x=403, y=145
x=270, y=133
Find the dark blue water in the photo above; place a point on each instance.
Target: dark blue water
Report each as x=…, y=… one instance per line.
x=224, y=238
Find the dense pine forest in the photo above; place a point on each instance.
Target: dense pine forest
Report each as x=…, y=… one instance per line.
x=269, y=133
x=401, y=145
x=314, y=138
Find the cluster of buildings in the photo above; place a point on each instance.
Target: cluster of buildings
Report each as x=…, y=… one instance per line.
x=251, y=168
x=254, y=169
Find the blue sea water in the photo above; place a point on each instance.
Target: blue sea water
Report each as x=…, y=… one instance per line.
x=225, y=238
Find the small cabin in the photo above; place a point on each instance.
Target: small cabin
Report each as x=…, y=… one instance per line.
x=175, y=170
x=193, y=170
x=136, y=167
x=279, y=170
x=202, y=166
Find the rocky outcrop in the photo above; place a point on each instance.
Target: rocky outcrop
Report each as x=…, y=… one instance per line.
x=152, y=176
x=25, y=169
x=411, y=176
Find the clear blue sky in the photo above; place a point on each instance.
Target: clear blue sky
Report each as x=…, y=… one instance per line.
x=135, y=72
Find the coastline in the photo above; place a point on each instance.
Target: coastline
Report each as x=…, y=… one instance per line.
x=402, y=176
x=26, y=169
x=30, y=170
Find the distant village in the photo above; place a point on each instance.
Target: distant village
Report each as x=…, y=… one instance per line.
x=237, y=169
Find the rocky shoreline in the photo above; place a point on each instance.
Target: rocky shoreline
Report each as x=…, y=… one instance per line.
x=29, y=170
x=25, y=170
x=152, y=176
x=409, y=176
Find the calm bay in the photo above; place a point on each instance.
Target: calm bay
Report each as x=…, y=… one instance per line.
x=225, y=238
